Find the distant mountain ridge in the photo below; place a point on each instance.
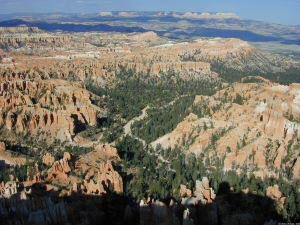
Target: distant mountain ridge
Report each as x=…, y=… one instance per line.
x=175, y=25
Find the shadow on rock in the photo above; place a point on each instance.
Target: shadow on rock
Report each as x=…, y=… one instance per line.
x=49, y=207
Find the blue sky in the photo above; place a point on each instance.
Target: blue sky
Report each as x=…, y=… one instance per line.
x=278, y=11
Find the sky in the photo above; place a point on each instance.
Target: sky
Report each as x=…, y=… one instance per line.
x=277, y=11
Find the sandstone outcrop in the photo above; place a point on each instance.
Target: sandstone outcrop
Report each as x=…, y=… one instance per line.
x=30, y=39
x=8, y=189
x=48, y=159
x=184, y=191
x=191, y=15
x=98, y=171
x=261, y=132
x=203, y=194
x=43, y=95
x=54, y=108
x=274, y=193
x=59, y=170
x=146, y=53
x=204, y=191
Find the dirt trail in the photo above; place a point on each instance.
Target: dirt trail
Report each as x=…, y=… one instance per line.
x=127, y=127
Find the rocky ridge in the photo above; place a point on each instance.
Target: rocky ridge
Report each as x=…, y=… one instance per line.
x=54, y=107
x=259, y=132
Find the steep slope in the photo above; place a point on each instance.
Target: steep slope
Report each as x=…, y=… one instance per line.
x=252, y=125
x=49, y=109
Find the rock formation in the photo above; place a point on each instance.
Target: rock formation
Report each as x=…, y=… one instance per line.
x=203, y=194
x=184, y=191
x=274, y=193
x=255, y=133
x=48, y=159
x=98, y=171
x=43, y=97
x=53, y=107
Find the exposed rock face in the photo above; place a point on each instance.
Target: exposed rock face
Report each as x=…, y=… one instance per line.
x=30, y=38
x=20, y=29
x=67, y=156
x=92, y=174
x=8, y=189
x=2, y=146
x=44, y=96
x=54, y=108
x=191, y=15
x=48, y=159
x=203, y=194
x=203, y=191
x=258, y=133
x=274, y=193
x=147, y=36
x=184, y=191
x=60, y=170
x=144, y=52
x=99, y=174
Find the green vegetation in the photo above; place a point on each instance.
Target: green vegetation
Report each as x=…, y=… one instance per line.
x=77, y=150
x=158, y=172
x=28, y=146
x=238, y=99
x=133, y=92
x=291, y=118
x=18, y=172
x=162, y=120
x=201, y=109
x=251, y=79
x=291, y=75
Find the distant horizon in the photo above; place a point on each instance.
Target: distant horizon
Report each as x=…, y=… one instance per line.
x=285, y=12
x=25, y=14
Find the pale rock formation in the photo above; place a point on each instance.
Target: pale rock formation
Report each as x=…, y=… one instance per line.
x=184, y=191
x=255, y=134
x=7, y=157
x=274, y=193
x=59, y=170
x=98, y=170
x=67, y=156
x=147, y=36
x=2, y=146
x=8, y=189
x=54, y=108
x=48, y=159
x=203, y=194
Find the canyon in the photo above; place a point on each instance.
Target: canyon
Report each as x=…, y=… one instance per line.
x=137, y=128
